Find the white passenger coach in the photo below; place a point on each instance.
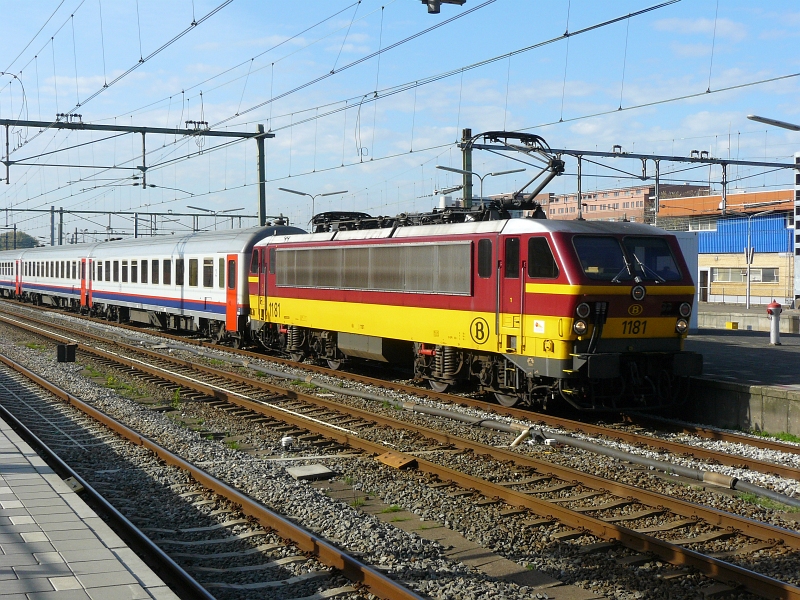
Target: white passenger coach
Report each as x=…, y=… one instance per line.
x=193, y=282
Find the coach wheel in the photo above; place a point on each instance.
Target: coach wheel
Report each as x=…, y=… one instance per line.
x=237, y=342
x=438, y=386
x=507, y=400
x=334, y=365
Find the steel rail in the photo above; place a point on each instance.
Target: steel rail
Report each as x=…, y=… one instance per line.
x=715, y=517
x=158, y=560
x=717, y=569
x=378, y=584
x=657, y=444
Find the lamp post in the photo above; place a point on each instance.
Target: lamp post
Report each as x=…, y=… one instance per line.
x=312, y=196
x=749, y=251
x=481, y=177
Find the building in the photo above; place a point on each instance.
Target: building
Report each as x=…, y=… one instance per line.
x=767, y=218
x=630, y=203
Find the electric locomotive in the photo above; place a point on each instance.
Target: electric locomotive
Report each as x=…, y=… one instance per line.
x=589, y=313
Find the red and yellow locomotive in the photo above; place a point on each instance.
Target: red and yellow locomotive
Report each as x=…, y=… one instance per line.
x=589, y=313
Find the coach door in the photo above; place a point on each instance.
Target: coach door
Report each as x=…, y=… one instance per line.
x=511, y=281
x=83, y=282
x=18, y=277
x=231, y=296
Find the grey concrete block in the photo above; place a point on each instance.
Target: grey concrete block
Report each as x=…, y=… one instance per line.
x=89, y=567
x=316, y=471
x=23, y=548
x=74, y=556
x=22, y=586
x=45, y=570
x=60, y=595
x=119, y=592
x=87, y=545
x=94, y=580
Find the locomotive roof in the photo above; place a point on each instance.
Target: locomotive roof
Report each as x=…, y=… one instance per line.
x=509, y=226
x=228, y=240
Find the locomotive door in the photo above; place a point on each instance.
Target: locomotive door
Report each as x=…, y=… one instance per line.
x=263, y=254
x=90, y=266
x=511, y=295
x=231, y=293
x=83, y=282
x=18, y=277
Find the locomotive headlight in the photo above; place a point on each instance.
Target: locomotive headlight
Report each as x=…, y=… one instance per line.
x=681, y=326
x=583, y=310
x=685, y=309
x=579, y=327
x=638, y=293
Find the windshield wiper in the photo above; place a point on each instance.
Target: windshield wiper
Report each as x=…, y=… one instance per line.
x=627, y=268
x=645, y=269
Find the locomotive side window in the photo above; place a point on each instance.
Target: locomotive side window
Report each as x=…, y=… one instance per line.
x=602, y=258
x=540, y=259
x=231, y=274
x=652, y=259
x=272, y=261
x=179, y=278
x=221, y=282
x=484, y=259
x=168, y=271
x=208, y=272
x=512, y=258
x=144, y=271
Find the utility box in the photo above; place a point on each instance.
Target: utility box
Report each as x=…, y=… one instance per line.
x=66, y=352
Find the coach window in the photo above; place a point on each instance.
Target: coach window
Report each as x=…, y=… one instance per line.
x=484, y=258
x=144, y=271
x=512, y=257
x=74, y=270
x=46, y=272
x=154, y=278
x=541, y=263
x=193, y=272
x=168, y=270
x=179, y=278
x=272, y=261
x=63, y=275
x=134, y=271
x=231, y=274
x=124, y=271
x=208, y=272
x=108, y=271
x=99, y=270
x=221, y=276
x=116, y=270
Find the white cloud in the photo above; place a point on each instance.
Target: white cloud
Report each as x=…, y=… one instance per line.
x=725, y=28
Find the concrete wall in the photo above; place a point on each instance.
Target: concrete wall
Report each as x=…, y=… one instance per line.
x=747, y=321
x=745, y=407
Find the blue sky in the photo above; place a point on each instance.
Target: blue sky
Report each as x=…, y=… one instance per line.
x=383, y=151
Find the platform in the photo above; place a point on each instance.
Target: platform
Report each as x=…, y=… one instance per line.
x=747, y=383
x=52, y=545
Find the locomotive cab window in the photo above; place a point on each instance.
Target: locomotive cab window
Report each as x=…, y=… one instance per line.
x=512, y=258
x=272, y=261
x=652, y=258
x=541, y=263
x=601, y=258
x=254, y=262
x=484, y=259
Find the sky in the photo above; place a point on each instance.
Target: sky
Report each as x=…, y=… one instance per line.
x=345, y=116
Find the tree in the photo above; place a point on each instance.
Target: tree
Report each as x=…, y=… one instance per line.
x=23, y=240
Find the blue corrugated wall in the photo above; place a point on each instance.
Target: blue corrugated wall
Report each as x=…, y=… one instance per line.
x=767, y=234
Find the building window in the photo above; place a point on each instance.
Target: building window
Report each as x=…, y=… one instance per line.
x=739, y=275
x=703, y=224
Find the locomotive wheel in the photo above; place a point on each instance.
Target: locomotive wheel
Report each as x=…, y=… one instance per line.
x=334, y=365
x=438, y=386
x=297, y=356
x=507, y=400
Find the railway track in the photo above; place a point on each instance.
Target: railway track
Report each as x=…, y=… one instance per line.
x=643, y=434
x=225, y=541
x=580, y=503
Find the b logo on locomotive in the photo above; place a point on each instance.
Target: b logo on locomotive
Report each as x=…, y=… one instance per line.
x=635, y=310
x=479, y=330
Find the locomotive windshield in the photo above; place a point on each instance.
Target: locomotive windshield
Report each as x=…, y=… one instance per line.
x=602, y=258
x=652, y=258
x=644, y=258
